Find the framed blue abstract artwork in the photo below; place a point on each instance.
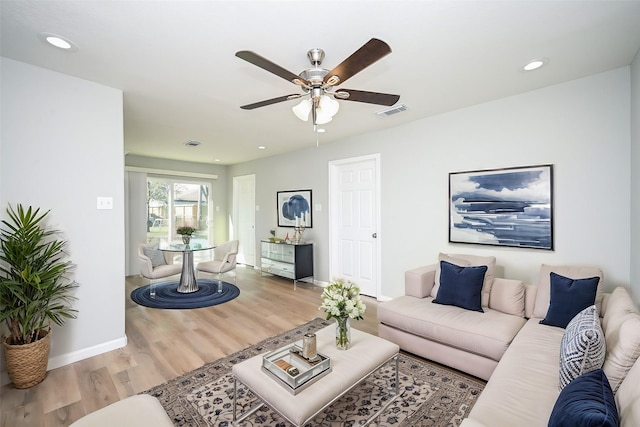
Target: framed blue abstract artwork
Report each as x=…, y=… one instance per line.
x=503, y=207
x=294, y=208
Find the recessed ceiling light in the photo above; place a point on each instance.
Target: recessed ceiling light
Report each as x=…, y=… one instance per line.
x=58, y=41
x=217, y=160
x=535, y=64
x=321, y=130
x=261, y=147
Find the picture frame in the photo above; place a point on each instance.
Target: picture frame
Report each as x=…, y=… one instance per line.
x=502, y=207
x=294, y=208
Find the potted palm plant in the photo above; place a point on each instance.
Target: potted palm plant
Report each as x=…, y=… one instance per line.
x=34, y=291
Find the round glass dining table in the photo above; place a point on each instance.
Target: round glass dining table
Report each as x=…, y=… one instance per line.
x=188, y=282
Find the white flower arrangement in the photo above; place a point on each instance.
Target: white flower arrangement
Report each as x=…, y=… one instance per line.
x=342, y=299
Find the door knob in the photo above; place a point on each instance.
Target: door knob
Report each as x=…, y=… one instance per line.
x=374, y=235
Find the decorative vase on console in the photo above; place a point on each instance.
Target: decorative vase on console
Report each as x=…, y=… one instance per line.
x=341, y=300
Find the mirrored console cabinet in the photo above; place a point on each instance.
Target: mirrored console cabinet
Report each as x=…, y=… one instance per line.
x=293, y=261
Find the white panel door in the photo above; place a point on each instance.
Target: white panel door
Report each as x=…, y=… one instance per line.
x=244, y=218
x=353, y=223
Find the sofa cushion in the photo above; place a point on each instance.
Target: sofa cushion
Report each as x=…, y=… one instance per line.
x=582, y=348
x=486, y=334
x=543, y=295
x=461, y=286
x=524, y=386
x=463, y=260
x=623, y=349
x=628, y=396
x=508, y=296
x=619, y=307
x=568, y=298
x=587, y=401
x=155, y=255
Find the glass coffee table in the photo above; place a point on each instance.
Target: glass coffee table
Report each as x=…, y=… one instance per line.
x=188, y=282
x=349, y=368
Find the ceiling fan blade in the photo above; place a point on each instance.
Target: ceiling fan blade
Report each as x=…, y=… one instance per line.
x=370, y=52
x=368, y=97
x=265, y=64
x=271, y=101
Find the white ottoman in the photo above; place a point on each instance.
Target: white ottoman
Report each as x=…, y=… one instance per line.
x=349, y=367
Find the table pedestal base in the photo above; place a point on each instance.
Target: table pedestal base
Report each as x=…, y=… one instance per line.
x=188, y=283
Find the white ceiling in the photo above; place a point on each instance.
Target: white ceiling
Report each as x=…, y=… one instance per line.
x=175, y=60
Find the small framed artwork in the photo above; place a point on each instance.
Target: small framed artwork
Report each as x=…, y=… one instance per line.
x=294, y=208
x=502, y=207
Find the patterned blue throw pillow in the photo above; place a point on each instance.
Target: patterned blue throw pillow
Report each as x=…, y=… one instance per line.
x=586, y=402
x=583, y=346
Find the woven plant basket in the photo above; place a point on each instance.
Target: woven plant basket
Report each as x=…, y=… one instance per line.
x=27, y=363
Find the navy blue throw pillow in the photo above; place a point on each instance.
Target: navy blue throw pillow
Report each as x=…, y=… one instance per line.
x=568, y=298
x=461, y=286
x=586, y=401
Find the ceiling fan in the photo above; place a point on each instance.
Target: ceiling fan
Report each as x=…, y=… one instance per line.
x=319, y=84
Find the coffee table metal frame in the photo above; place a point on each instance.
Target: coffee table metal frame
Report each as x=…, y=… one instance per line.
x=263, y=401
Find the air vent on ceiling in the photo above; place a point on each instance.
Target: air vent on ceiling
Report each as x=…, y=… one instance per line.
x=192, y=143
x=392, y=110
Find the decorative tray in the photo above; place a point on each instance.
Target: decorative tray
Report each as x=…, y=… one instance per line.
x=292, y=370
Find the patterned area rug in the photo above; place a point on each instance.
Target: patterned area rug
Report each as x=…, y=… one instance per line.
x=429, y=394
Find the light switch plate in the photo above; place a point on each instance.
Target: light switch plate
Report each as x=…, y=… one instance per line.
x=105, y=202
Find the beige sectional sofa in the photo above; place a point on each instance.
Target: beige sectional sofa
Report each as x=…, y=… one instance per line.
x=508, y=346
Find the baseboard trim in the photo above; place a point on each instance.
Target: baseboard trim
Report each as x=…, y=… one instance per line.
x=66, y=359
x=76, y=356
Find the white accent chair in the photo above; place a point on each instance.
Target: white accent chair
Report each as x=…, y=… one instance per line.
x=160, y=266
x=224, y=260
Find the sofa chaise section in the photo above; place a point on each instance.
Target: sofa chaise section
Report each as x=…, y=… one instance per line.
x=470, y=341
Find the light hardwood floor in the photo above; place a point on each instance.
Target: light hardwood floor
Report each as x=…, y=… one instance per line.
x=163, y=344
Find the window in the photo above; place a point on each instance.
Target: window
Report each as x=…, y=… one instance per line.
x=172, y=204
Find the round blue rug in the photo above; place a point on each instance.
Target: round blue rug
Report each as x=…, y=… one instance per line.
x=167, y=295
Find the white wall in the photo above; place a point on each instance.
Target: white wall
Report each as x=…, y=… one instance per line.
x=635, y=178
x=62, y=146
x=581, y=127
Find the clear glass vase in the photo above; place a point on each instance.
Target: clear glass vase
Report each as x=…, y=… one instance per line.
x=343, y=333
x=186, y=238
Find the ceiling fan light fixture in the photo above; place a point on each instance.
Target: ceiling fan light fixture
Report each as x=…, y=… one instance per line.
x=328, y=106
x=321, y=102
x=323, y=119
x=303, y=109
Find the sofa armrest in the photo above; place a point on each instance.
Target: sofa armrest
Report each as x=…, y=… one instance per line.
x=508, y=296
x=529, y=300
x=418, y=282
